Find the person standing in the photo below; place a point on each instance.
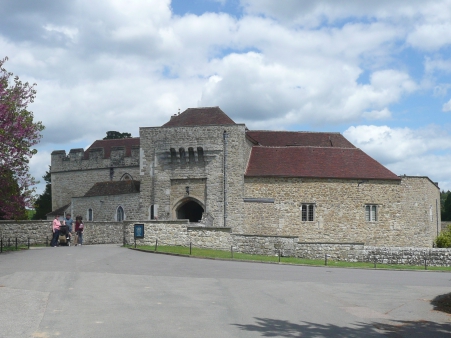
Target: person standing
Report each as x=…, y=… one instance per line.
x=79, y=227
x=69, y=221
x=56, y=231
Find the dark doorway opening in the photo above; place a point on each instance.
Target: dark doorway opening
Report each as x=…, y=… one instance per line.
x=190, y=210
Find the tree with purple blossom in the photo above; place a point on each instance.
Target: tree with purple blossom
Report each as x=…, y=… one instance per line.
x=18, y=134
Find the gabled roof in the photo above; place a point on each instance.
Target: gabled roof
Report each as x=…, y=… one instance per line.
x=204, y=116
x=298, y=138
x=59, y=211
x=315, y=162
x=114, y=188
x=107, y=145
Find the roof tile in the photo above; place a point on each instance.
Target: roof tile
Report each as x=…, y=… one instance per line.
x=204, y=116
x=315, y=162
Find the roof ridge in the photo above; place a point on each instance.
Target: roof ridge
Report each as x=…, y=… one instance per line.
x=296, y=131
x=300, y=146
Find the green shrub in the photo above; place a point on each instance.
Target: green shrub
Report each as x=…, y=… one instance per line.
x=444, y=239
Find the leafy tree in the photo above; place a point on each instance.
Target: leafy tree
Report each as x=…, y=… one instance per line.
x=446, y=211
x=18, y=134
x=43, y=204
x=110, y=135
x=10, y=198
x=443, y=240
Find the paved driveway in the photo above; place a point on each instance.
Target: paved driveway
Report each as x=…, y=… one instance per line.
x=109, y=291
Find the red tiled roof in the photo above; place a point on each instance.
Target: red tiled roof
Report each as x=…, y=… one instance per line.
x=298, y=138
x=128, y=143
x=199, y=117
x=315, y=162
x=114, y=188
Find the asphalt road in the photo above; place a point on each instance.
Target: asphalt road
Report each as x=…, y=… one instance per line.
x=109, y=291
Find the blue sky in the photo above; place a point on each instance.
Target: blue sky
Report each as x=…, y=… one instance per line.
x=378, y=72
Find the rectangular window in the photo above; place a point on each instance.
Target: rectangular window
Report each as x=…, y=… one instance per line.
x=307, y=212
x=90, y=215
x=371, y=213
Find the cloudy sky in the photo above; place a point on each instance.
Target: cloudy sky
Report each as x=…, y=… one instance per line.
x=379, y=72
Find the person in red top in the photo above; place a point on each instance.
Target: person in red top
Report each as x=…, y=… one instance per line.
x=79, y=227
x=56, y=231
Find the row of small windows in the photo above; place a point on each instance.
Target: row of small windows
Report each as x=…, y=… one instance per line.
x=308, y=212
x=120, y=215
x=191, y=158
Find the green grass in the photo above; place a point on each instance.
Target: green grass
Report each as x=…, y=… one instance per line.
x=211, y=253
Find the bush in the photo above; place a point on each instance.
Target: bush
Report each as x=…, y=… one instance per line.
x=444, y=239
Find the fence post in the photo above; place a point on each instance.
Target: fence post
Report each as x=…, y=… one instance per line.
x=279, y=255
x=1, y=245
x=231, y=250
x=28, y=242
x=325, y=259
x=156, y=244
x=425, y=263
x=375, y=262
x=16, y=243
x=190, y=248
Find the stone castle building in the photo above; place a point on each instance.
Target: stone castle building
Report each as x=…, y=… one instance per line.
x=204, y=167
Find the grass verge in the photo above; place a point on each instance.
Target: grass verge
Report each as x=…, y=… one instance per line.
x=223, y=254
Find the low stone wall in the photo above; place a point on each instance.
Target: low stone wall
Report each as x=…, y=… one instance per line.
x=408, y=256
x=181, y=232
x=335, y=251
x=265, y=245
x=40, y=232
x=103, y=233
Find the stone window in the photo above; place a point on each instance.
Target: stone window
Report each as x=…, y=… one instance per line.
x=191, y=155
x=153, y=212
x=307, y=212
x=182, y=155
x=173, y=155
x=90, y=215
x=200, y=154
x=120, y=214
x=126, y=177
x=371, y=213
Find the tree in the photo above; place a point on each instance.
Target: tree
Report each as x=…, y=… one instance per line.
x=110, y=135
x=43, y=204
x=446, y=212
x=10, y=196
x=18, y=134
x=443, y=240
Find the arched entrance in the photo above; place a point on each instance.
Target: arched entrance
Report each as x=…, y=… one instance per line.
x=190, y=210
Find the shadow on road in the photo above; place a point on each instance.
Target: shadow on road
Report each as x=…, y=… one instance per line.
x=281, y=328
x=442, y=303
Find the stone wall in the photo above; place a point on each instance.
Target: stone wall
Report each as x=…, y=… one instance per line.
x=105, y=207
x=73, y=176
x=181, y=232
x=39, y=232
x=166, y=173
x=406, y=210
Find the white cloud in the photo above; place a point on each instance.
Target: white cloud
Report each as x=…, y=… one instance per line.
x=421, y=152
x=118, y=65
x=430, y=36
x=377, y=114
x=447, y=106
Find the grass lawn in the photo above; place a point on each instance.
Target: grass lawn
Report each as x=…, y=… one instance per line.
x=211, y=253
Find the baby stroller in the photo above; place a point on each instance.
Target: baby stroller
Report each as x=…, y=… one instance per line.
x=64, y=238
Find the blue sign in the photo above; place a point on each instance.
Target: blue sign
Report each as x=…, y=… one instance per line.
x=139, y=230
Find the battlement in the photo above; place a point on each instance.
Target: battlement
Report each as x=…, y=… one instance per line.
x=101, y=154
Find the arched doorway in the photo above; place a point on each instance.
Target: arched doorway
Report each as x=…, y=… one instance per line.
x=190, y=210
